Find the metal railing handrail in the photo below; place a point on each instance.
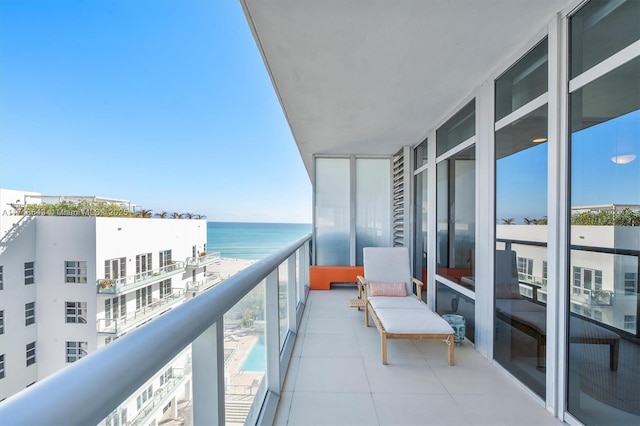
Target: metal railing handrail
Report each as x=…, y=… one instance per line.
x=71, y=396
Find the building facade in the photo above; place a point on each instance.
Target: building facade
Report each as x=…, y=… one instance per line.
x=70, y=285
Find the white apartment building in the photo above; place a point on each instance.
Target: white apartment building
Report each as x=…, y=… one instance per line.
x=70, y=285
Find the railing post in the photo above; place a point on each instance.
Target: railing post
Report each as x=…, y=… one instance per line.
x=303, y=272
x=272, y=332
x=292, y=290
x=207, y=354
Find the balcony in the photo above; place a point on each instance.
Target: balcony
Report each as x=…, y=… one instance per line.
x=336, y=377
x=202, y=261
x=122, y=324
x=321, y=364
x=211, y=279
x=160, y=398
x=126, y=284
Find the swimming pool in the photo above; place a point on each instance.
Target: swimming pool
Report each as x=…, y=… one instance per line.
x=256, y=361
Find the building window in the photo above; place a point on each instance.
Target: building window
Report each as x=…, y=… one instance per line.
x=143, y=263
x=165, y=258
x=2, y=366
x=166, y=376
x=29, y=273
x=165, y=288
x=116, y=418
x=630, y=283
x=525, y=267
x=1, y=322
x=76, y=312
x=597, y=315
x=115, y=268
x=115, y=308
x=31, y=353
x=76, y=350
x=629, y=322
x=143, y=297
x=1, y=277
x=586, y=280
x=29, y=313
x=75, y=271
x=145, y=396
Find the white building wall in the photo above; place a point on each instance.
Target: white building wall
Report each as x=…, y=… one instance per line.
x=17, y=246
x=49, y=242
x=61, y=239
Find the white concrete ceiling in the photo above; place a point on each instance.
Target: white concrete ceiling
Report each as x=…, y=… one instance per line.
x=367, y=77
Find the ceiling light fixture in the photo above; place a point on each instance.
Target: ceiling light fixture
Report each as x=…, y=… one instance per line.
x=623, y=159
x=539, y=140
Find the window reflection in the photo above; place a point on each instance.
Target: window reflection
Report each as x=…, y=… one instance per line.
x=605, y=247
x=455, y=193
x=521, y=249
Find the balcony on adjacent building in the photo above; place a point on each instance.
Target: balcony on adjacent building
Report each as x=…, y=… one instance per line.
x=160, y=398
x=115, y=286
x=134, y=319
x=210, y=279
x=202, y=260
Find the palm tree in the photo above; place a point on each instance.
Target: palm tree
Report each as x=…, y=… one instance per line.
x=175, y=215
x=187, y=215
x=144, y=213
x=528, y=221
x=162, y=215
x=508, y=221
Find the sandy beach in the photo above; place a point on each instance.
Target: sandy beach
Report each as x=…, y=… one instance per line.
x=227, y=267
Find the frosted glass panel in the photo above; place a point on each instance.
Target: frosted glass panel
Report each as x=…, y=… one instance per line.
x=373, y=204
x=332, y=211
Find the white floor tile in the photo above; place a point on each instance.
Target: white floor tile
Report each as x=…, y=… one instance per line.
x=405, y=375
x=410, y=409
x=331, y=375
x=311, y=408
x=284, y=406
x=514, y=409
x=330, y=345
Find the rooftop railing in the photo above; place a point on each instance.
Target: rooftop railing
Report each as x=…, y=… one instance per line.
x=71, y=396
x=113, y=286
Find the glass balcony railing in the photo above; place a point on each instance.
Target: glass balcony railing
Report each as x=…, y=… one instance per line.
x=143, y=353
x=204, y=260
x=113, y=286
x=121, y=324
x=210, y=279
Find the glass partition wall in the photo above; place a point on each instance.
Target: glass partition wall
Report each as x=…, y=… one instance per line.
x=520, y=282
x=603, y=337
x=352, y=208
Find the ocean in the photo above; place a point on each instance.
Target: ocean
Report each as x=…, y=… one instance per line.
x=252, y=241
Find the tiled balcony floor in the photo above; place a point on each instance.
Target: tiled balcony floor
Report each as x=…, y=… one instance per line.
x=336, y=377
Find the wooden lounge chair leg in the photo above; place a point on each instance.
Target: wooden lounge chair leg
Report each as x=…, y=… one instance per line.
x=451, y=348
x=366, y=314
x=383, y=340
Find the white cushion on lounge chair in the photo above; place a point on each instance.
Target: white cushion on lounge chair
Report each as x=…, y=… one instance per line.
x=413, y=321
x=408, y=302
x=384, y=265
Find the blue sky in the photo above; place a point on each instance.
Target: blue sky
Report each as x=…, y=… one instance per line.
x=165, y=103
x=595, y=180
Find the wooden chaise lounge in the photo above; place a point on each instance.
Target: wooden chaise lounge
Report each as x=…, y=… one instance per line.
x=388, y=293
